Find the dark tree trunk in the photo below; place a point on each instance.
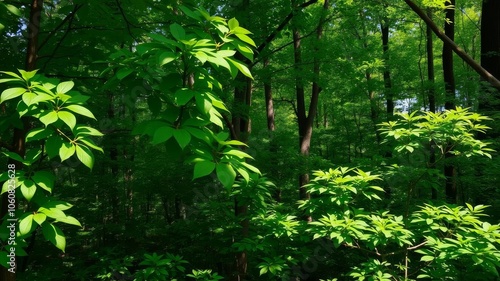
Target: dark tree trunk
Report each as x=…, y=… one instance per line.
x=430, y=67
x=489, y=101
x=448, y=73
x=449, y=84
x=431, y=94
x=306, y=121
x=384, y=28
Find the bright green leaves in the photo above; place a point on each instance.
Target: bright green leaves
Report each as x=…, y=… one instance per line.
x=188, y=105
x=451, y=132
x=54, y=109
x=64, y=87
x=80, y=110
x=66, y=151
x=11, y=94
x=85, y=155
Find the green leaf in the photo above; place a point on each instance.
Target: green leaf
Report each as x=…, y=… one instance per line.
x=233, y=23
x=189, y=13
x=162, y=134
x=90, y=143
x=167, y=57
x=182, y=137
x=64, y=87
x=177, y=31
x=427, y=258
x=52, y=145
x=69, y=220
x=26, y=225
x=123, y=72
x=66, y=150
x=241, y=67
x=39, y=218
x=44, y=179
x=27, y=75
x=80, y=110
x=30, y=98
x=87, y=131
x=52, y=212
x=237, y=153
x=246, y=39
x=225, y=174
x=203, y=168
x=14, y=156
x=28, y=189
x=14, y=10
x=183, y=96
x=13, y=75
x=85, y=156
x=11, y=93
x=38, y=134
x=68, y=118
x=49, y=117
x=54, y=235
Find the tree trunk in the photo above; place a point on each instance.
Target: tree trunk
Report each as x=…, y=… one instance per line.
x=449, y=77
x=269, y=100
x=306, y=122
x=431, y=95
x=449, y=84
x=489, y=100
x=384, y=28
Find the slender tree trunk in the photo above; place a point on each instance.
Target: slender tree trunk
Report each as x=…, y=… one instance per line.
x=306, y=122
x=374, y=110
x=269, y=100
x=449, y=81
x=431, y=94
x=448, y=73
x=384, y=28
x=242, y=126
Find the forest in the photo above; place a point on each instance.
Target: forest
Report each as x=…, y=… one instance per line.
x=244, y=140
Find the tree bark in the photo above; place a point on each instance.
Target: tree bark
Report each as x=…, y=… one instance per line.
x=489, y=100
x=449, y=85
x=306, y=121
x=268, y=93
x=384, y=28
x=431, y=94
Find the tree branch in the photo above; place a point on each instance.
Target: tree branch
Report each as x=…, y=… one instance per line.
x=282, y=25
x=461, y=53
x=68, y=17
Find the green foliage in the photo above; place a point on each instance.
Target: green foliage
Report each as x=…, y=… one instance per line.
x=452, y=131
x=191, y=110
x=156, y=267
x=47, y=108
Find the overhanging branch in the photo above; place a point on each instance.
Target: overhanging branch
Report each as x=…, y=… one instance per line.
x=461, y=53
